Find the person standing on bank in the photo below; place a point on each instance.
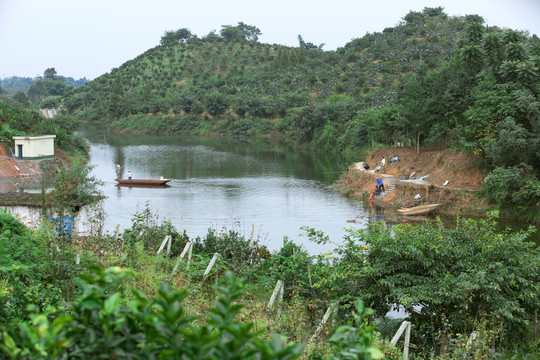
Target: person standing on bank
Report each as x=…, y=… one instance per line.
x=129, y=175
x=380, y=184
x=383, y=164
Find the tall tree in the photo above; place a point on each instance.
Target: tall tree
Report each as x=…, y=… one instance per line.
x=50, y=73
x=117, y=106
x=171, y=38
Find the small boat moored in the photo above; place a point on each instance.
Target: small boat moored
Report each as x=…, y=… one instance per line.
x=142, y=182
x=419, y=210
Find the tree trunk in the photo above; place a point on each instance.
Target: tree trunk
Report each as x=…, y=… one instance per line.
x=373, y=142
x=447, y=127
x=444, y=344
x=417, y=142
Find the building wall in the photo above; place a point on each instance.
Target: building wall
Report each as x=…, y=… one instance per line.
x=35, y=147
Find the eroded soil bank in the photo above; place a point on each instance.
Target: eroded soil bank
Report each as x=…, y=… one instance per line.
x=437, y=167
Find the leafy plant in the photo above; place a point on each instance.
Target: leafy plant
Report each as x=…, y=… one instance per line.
x=102, y=325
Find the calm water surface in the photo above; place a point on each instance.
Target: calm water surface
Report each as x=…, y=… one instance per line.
x=224, y=183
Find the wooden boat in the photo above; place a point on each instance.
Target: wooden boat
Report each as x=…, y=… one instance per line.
x=419, y=210
x=142, y=182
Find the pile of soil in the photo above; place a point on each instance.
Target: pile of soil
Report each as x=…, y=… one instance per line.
x=460, y=172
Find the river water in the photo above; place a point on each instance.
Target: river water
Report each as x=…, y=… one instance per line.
x=225, y=184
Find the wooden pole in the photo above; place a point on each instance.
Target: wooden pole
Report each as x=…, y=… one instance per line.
x=181, y=223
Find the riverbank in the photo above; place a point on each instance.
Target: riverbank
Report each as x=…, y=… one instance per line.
x=433, y=176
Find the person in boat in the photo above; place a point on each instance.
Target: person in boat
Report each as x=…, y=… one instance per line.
x=380, y=184
x=129, y=175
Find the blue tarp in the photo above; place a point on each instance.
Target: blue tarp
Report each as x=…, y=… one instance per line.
x=62, y=226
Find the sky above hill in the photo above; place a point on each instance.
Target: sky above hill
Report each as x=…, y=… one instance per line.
x=82, y=38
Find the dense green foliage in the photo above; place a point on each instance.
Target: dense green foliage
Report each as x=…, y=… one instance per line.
x=449, y=280
x=26, y=276
x=16, y=84
x=106, y=319
x=17, y=121
x=102, y=325
x=452, y=281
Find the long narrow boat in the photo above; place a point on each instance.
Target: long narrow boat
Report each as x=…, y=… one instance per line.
x=142, y=182
x=419, y=210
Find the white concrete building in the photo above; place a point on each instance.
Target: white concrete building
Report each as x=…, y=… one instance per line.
x=34, y=147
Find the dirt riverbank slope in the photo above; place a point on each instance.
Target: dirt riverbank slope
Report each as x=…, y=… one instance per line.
x=459, y=171
x=18, y=176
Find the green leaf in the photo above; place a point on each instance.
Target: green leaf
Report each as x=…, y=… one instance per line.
x=112, y=303
x=375, y=353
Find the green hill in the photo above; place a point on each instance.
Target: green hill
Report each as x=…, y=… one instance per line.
x=215, y=76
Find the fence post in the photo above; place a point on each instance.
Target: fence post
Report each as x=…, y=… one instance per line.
x=404, y=326
x=212, y=262
x=169, y=245
x=278, y=289
x=472, y=340
x=331, y=309
x=189, y=254
x=167, y=238
x=187, y=250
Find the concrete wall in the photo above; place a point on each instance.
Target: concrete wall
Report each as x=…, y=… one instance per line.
x=48, y=113
x=34, y=147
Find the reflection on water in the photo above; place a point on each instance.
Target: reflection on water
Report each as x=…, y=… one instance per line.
x=224, y=182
